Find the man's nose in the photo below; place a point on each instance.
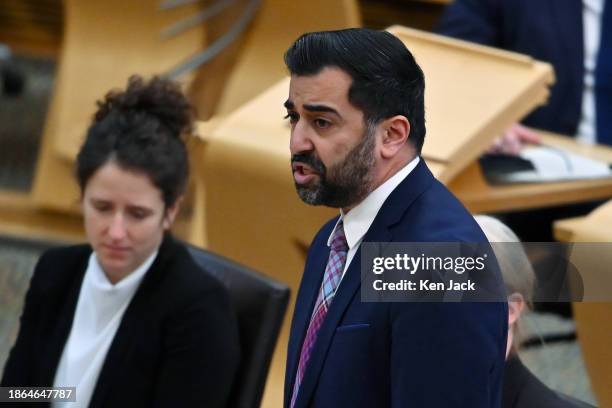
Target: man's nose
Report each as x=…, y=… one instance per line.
x=300, y=140
x=117, y=228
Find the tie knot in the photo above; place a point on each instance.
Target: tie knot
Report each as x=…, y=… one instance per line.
x=338, y=242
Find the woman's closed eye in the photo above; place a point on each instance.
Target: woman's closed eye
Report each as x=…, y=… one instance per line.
x=102, y=206
x=139, y=213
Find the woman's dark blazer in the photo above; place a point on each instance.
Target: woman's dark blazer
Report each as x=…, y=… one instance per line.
x=177, y=344
x=522, y=389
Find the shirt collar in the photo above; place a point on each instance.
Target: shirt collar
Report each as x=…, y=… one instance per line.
x=131, y=280
x=358, y=220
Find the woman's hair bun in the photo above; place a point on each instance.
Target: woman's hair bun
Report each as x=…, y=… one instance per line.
x=159, y=97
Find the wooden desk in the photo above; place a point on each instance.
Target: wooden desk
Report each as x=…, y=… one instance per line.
x=593, y=319
x=473, y=190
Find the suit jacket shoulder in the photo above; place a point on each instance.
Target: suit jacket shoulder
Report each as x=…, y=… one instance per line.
x=58, y=265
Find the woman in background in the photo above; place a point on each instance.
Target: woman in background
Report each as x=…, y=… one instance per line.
x=129, y=319
x=521, y=389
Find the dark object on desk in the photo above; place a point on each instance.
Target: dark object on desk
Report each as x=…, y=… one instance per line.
x=260, y=304
x=497, y=167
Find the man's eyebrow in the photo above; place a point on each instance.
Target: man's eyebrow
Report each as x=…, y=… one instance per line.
x=321, y=108
x=312, y=108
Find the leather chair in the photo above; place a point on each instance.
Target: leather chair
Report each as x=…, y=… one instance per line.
x=260, y=304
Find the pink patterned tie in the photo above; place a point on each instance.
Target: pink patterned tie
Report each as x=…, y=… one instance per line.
x=331, y=280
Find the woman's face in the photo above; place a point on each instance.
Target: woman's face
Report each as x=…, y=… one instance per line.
x=125, y=218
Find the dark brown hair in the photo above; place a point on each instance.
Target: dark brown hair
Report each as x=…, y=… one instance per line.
x=141, y=128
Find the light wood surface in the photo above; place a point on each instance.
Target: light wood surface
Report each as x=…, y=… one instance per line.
x=595, y=227
x=104, y=42
x=594, y=319
x=278, y=24
x=20, y=218
x=595, y=335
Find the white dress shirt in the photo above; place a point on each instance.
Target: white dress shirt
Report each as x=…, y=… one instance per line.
x=592, y=11
x=99, y=311
x=359, y=219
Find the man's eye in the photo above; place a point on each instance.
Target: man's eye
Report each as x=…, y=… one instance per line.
x=292, y=116
x=322, y=123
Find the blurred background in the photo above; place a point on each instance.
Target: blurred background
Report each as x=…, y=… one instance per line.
x=58, y=57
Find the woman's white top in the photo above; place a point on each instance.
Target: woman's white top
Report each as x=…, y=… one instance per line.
x=99, y=311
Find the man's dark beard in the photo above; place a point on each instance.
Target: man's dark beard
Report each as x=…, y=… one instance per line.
x=346, y=183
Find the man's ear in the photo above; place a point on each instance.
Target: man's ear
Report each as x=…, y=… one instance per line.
x=396, y=131
x=171, y=212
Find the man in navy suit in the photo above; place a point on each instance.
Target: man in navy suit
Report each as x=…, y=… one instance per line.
x=357, y=127
x=574, y=36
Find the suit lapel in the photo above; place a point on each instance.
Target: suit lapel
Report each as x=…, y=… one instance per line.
x=567, y=16
x=380, y=231
x=59, y=331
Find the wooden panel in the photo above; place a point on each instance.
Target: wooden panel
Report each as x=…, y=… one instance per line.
x=104, y=43
x=20, y=218
x=593, y=322
x=595, y=227
x=472, y=94
x=595, y=336
x=31, y=26
x=278, y=24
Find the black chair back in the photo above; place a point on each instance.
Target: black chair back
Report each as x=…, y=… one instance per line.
x=260, y=304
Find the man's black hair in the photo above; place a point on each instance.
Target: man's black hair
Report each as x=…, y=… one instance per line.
x=387, y=81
